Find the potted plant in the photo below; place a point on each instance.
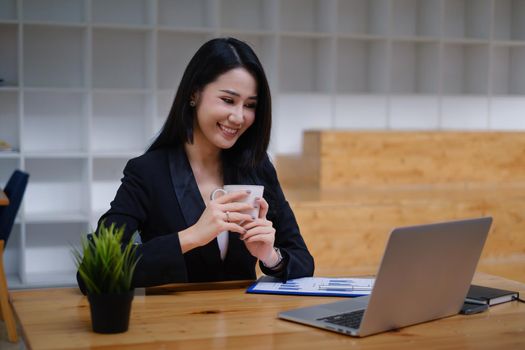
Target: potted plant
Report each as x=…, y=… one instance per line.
x=106, y=266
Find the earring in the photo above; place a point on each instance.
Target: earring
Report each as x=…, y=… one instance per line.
x=192, y=103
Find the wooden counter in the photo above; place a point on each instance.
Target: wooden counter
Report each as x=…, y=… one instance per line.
x=231, y=319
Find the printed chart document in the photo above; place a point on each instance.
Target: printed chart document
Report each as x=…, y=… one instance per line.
x=315, y=286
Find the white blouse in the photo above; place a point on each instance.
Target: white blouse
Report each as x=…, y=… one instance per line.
x=222, y=239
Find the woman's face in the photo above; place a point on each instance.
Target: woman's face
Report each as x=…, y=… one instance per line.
x=225, y=108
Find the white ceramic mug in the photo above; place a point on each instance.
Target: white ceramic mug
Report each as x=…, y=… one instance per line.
x=255, y=192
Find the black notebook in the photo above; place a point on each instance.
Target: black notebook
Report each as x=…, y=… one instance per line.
x=488, y=295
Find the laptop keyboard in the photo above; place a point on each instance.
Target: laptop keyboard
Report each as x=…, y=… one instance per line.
x=349, y=319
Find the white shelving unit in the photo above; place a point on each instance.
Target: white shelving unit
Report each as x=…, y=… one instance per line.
x=86, y=84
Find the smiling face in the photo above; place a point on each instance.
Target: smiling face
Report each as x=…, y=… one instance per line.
x=225, y=109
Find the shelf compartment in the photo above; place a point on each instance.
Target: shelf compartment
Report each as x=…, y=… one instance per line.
x=302, y=111
x=9, y=120
x=129, y=12
x=121, y=59
x=8, y=10
x=304, y=66
x=467, y=19
x=14, y=281
x=164, y=101
x=246, y=15
x=54, y=217
x=414, y=68
x=54, y=122
x=361, y=111
x=9, y=155
x=361, y=66
x=107, y=174
x=93, y=220
x=8, y=55
x=174, y=53
x=508, y=75
x=7, y=166
x=363, y=17
x=57, y=189
x=48, y=252
x=462, y=64
x=509, y=20
x=507, y=113
x=264, y=47
x=308, y=16
x=60, y=11
x=53, y=56
x=416, y=18
x=120, y=122
x=117, y=154
x=414, y=112
x=51, y=279
x=12, y=252
x=186, y=14
x=464, y=113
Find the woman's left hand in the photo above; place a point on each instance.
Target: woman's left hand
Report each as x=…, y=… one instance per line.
x=260, y=236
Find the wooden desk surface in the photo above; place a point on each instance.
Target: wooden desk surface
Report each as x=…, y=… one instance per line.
x=232, y=319
x=3, y=198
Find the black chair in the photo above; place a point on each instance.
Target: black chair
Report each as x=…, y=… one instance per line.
x=14, y=190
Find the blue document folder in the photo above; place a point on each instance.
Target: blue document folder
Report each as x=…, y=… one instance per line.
x=314, y=286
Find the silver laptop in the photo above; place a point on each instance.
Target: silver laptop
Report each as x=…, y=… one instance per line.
x=424, y=275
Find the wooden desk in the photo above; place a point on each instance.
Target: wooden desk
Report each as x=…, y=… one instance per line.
x=3, y=198
x=232, y=319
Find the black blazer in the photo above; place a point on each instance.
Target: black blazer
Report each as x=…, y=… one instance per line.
x=159, y=197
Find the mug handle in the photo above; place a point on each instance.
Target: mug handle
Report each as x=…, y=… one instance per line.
x=212, y=196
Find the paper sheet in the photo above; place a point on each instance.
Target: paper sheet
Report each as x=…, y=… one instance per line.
x=317, y=286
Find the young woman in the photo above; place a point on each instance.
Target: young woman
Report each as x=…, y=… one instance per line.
x=217, y=133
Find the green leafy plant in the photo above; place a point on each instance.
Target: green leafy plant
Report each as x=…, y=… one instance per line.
x=104, y=264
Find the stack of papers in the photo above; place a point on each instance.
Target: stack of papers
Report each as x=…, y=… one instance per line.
x=315, y=286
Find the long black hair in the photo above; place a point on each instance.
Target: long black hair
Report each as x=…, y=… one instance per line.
x=215, y=57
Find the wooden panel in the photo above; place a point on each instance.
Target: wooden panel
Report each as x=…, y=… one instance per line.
x=512, y=267
x=364, y=183
x=312, y=142
x=383, y=157
x=294, y=170
x=304, y=169
x=353, y=232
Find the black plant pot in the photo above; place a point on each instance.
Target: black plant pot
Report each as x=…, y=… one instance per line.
x=110, y=312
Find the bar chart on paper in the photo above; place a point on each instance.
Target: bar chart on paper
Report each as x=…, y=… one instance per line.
x=315, y=286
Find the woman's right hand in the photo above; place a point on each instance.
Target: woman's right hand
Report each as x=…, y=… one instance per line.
x=221, y=214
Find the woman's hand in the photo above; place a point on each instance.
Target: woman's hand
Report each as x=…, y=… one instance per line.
x=221, y=214
x=260, y=236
